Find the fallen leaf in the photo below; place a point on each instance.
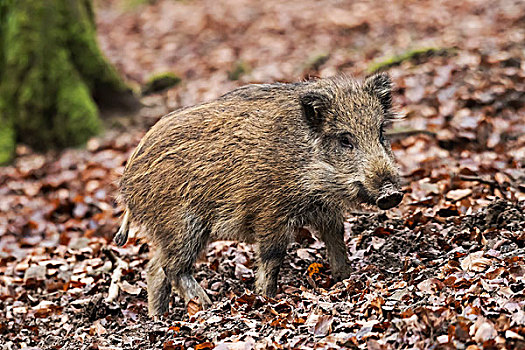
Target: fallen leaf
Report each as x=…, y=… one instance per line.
x=483, y=330
x=204, y=346
x=319, y=325
x=130, y=289
x=459, y=194
x=35, y=272
x=475, y=262
x=314, y=268
x=193, y=307
x=377, y=242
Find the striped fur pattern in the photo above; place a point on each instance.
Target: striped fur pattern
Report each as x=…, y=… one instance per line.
x=256, y=165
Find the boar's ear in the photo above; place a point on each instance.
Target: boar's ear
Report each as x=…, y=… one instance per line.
x=380, y=85
x=314, y=104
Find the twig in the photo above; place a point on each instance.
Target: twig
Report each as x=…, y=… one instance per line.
x=400, y=134
x=118, y=266
x=478, y=179
x=357, y=212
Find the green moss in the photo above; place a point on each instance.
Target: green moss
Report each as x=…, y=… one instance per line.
x=411, y=55
x=239, y=69
x=160, y=82
x=84, y=50
x=76, y=118
x=3, y=20
x=52, y=72
x=316, y=61
x=7, y=141
x=132, y=4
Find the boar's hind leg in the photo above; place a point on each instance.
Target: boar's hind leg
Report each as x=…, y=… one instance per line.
x=333, y=237
x=182, y=254
x=271, y=251
x=159, y=287
x=189, y=289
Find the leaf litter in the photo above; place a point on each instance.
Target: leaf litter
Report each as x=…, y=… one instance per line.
x=444, y=270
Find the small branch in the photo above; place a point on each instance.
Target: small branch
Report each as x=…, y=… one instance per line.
x=118, y=266
x=357, y=213
x=401, y=134
x=478, y=179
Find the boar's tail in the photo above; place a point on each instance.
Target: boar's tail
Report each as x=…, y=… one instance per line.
x=122, y=235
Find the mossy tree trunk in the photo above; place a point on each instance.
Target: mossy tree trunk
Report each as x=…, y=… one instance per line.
x=53, y=77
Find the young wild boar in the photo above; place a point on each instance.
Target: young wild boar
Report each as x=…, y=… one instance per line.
x=256, y=165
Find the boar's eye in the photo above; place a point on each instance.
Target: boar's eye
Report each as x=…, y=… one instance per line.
x=346, y=141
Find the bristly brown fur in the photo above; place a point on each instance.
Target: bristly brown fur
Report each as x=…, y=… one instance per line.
x=256, y=165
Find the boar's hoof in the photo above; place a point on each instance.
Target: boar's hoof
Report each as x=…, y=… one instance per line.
x=389, y=200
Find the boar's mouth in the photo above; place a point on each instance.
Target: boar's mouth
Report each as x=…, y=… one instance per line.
x=364, y=196
x=389, y=196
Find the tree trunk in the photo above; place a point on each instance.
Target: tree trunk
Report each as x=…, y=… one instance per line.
x=53, y=77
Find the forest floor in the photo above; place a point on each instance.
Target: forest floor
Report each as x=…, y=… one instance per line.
x=444, y=270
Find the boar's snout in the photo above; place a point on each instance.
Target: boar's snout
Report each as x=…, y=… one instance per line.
x=390, y=196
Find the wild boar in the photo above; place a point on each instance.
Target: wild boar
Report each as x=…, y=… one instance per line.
x=256, y=165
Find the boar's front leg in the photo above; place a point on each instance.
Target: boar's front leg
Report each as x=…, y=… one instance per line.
x=271, y=249
x=333, y=237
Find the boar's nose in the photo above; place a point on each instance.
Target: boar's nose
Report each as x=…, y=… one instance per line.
x=390, y=196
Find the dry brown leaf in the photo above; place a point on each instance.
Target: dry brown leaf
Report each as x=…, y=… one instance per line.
x=193, y=307
x=204, y=346
x=170, y=345
x=378, y=242
x=304, y=253
x=430, y=285
x=97, y=328
x=459, y=194
x=475, y=262
x=319, y=325
x=514, y=335
x=483, y=330
x=130, y=289
x=314, y=268
x=242, y=272
x=35, y=272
